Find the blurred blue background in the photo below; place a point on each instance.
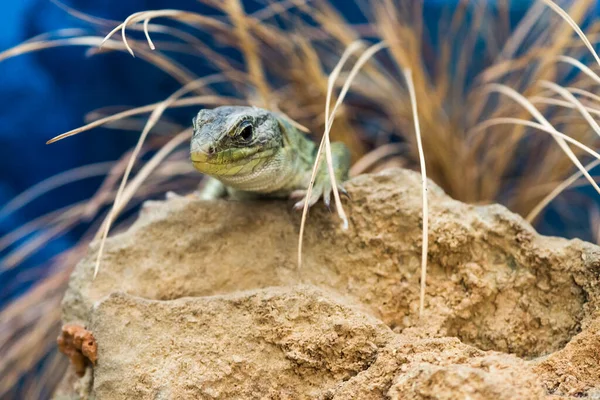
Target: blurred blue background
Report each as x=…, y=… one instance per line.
x=47, y=93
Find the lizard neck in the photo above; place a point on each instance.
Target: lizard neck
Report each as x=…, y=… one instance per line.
x=279, y=173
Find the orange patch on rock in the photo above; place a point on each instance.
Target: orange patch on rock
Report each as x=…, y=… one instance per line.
x=79, y=345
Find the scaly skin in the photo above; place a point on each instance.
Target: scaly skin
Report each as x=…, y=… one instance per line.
x=249, y=151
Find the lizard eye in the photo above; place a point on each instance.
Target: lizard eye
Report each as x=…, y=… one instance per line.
x=246, y=132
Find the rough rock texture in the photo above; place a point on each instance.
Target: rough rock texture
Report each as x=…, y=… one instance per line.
x=205, y=300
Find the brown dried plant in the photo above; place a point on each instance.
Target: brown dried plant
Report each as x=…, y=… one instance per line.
x=509, y=127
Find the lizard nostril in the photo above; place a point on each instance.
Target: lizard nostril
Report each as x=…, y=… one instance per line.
x=211, y=150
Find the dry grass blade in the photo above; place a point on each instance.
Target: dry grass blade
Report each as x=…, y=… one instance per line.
x=109, y=23
x=31, y=328
x=104, y=191
x=566, y=183
x=372, y=158
x=574, y=25
x=562, y=103
x=413, y=99
x=572, y=99
x=151, y=165
x=124, y=35
x=83, y=16
x=150, y=43
x=543, y=128
x=277, y=8
x=184, y=16
x=158, y=60
x=595, y=221
x=335, y=73
x=15, y=258
x=366, y=56
x=64, y=178
x=59, y=33
x=325, y=140
x=248, y=46
x=34, y=225
x=537, y=115
x=29, y=47
x=152, y=120
x=558, y=190
x=584, y=93
x=578, y=64
x=187, y=102
x=329, y=118
x=516, y=39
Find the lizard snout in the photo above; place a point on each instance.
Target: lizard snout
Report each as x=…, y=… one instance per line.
x=201, y=151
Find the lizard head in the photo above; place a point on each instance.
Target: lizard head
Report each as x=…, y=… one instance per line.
x=234, y=140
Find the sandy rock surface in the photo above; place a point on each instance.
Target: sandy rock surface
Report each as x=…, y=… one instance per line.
x=204, y=300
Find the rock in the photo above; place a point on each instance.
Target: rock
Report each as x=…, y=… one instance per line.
x=205, y=300
x=575, y=369
x=482, y=378
x=296, y=341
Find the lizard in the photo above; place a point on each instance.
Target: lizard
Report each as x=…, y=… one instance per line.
x=250, y=152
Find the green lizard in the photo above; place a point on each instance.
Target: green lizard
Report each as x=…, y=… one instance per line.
x=249, y=151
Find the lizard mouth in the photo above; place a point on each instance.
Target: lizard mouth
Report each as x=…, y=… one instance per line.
x=225, y=157
x=226, y=161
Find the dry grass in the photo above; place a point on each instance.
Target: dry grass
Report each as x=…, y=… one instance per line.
x=476, y=132
x=425, y=240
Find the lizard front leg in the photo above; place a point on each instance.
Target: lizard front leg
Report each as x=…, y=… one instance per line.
x=322, y=187
x=211, y=189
